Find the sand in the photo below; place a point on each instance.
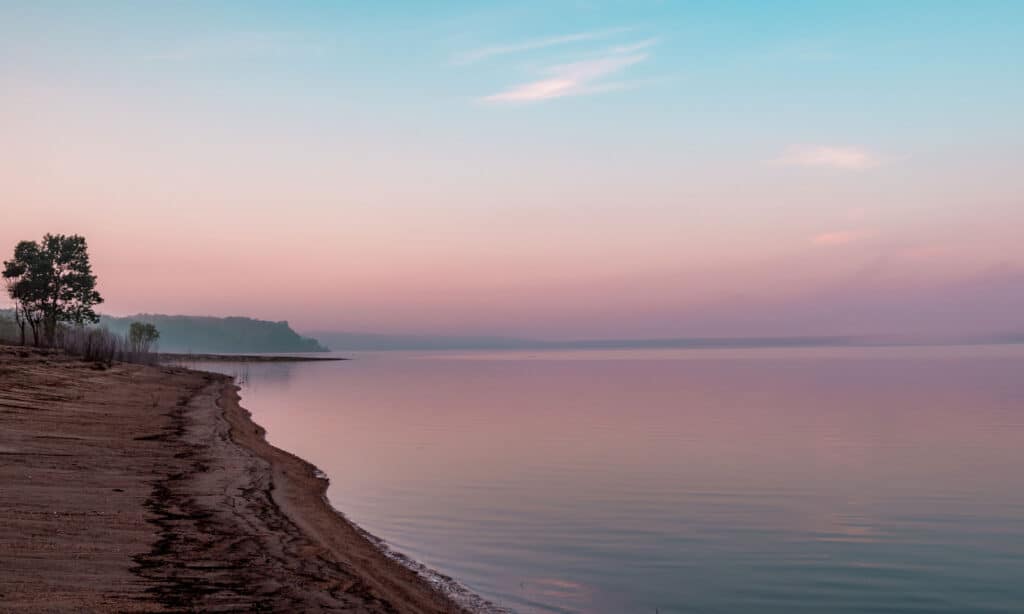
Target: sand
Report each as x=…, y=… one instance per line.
x=149, y=489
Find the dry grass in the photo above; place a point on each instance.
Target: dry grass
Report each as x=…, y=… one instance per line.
x=97, y=345
x=101, y=346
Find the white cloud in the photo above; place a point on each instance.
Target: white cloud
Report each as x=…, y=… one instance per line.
x=479, y=55
x=573, y=79
x=828, y=156
x=833, y=239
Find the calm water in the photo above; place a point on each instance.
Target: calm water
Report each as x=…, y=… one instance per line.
x=837, y=480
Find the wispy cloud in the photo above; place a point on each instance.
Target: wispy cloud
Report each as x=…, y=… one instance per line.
x=828, y=156
x=833, y=239
x=577, y=78
x=634, y=47
x=479, y=55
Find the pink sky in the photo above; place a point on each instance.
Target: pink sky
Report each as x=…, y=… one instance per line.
x=556, y=184
x=573, y=247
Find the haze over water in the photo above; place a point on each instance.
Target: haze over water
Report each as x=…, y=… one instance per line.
x=769, y=480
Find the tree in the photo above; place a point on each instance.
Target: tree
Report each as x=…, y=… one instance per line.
x=26, y=285
x=142, y=336
x=52, y=282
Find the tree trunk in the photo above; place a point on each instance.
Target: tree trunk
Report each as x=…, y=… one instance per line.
x=50, y=330
x=19, y=318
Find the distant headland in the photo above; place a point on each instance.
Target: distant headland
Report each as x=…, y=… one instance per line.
x=210, y=335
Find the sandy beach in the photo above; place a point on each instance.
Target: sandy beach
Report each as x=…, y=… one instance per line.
x=149, y=489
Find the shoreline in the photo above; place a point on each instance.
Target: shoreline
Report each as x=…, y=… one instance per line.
x=177, y=358
x=241, y=420
x=151, y=489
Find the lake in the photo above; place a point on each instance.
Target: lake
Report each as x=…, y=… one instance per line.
x=767, y=480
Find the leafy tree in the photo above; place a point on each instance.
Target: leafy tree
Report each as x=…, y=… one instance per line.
x=52, y=282
x=26, y=285
x=142, y=336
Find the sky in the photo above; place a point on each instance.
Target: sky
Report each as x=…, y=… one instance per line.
x=553, y=169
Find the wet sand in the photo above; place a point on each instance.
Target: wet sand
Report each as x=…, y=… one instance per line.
x=149, y=489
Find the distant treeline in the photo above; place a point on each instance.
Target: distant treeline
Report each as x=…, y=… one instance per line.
x=202, y=334
x=198, y=334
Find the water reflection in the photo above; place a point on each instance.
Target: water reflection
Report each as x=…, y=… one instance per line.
x=825, y=480
x=270, y=373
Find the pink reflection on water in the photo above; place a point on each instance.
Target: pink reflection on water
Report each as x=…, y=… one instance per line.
x=511, y=471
